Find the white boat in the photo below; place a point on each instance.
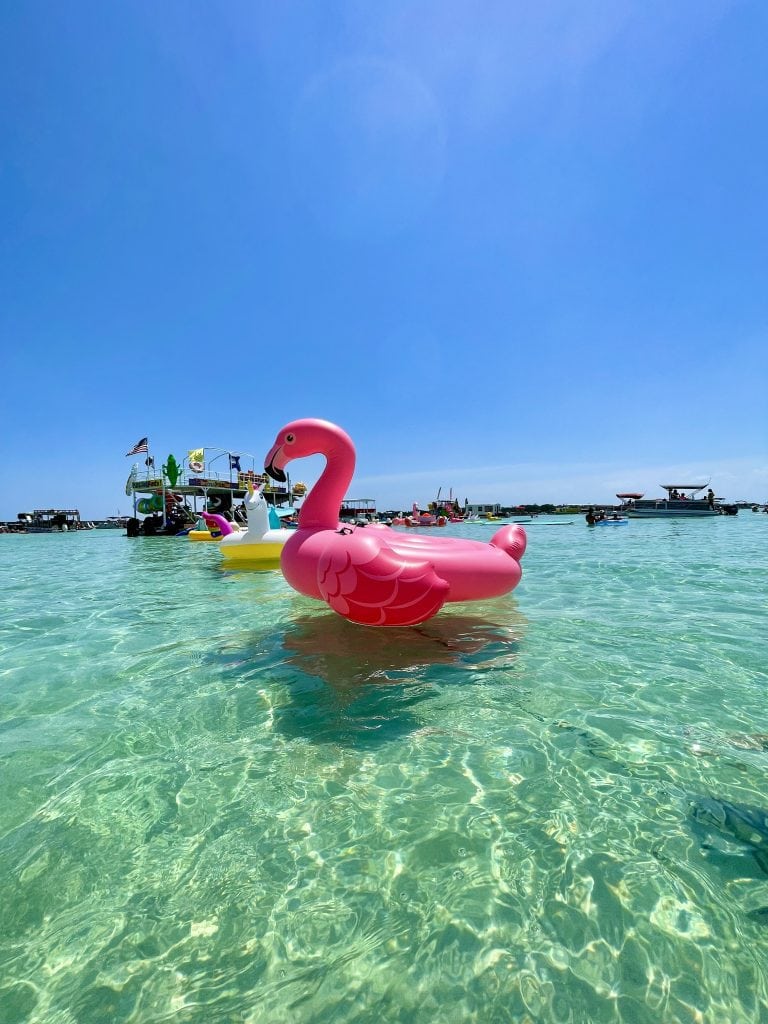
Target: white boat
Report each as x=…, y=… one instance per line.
x=680, y=502
x=111, y=523
x=51, y=520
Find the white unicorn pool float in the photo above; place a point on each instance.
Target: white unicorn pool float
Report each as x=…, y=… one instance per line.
x=261, y=544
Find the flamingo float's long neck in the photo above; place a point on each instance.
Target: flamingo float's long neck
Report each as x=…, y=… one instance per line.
x=321, y=506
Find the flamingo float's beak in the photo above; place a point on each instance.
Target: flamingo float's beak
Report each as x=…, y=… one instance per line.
x=273, y=464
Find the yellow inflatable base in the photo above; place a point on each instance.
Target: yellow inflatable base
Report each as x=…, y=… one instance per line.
x=202, y=535
x=252, y=556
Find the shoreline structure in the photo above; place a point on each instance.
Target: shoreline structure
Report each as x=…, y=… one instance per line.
x=20, y=526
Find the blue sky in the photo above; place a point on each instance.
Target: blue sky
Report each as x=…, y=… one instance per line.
x=518, y=250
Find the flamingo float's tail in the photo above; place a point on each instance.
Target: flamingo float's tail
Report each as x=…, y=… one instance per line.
x=511, y=539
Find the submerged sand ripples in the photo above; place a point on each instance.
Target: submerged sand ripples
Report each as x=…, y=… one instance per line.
x=224, y=804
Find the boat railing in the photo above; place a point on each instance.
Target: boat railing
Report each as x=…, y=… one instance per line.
x=228, y=481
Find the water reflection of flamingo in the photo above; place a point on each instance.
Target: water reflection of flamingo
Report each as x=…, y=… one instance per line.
x=375, y=685
x=373, y=575
x=342, y=656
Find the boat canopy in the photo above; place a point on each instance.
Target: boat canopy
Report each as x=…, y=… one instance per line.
x=358, y=507
x=683, y=487
x=629, y=494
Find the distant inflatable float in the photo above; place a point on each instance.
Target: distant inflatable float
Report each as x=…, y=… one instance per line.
x=208, y=528
x=258, y=547
x=147, y=506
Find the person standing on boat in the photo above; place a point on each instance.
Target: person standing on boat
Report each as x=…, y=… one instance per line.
x=711, y=498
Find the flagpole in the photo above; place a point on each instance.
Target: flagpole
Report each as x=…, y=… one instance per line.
x=162, y=480
x=140, y=446
x=149, y=464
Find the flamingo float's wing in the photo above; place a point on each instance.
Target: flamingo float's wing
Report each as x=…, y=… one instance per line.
x=365, y=581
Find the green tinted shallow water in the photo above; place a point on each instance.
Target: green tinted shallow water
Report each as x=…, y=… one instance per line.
x=221, y=803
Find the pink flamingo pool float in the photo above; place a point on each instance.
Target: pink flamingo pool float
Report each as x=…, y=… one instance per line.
x=373, y=574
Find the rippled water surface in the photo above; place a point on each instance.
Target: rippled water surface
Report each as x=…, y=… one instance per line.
x=221, y=803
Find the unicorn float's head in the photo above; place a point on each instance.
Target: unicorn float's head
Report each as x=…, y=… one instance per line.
x=257, y=510
x=261, y=515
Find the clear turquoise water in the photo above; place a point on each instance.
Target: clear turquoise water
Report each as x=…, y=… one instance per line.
x=221, y=803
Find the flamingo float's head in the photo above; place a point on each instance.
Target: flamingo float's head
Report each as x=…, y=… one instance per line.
x=302, y=438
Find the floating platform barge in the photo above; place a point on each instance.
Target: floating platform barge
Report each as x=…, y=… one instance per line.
x=171, y=505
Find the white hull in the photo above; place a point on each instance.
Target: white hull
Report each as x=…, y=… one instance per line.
x=670, y=513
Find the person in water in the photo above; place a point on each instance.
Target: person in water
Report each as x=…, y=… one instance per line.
x=590, y=516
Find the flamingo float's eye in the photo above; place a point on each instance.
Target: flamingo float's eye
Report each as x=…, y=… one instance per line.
x=290, y=438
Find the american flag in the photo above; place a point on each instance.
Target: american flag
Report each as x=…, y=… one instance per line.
x=140, y=446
